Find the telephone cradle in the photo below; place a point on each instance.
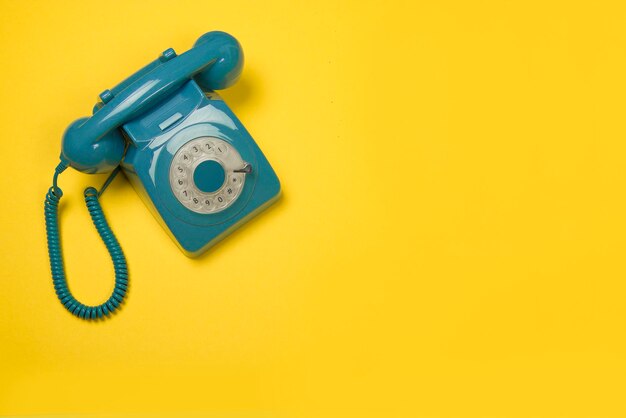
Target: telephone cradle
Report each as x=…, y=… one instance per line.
x=184, y=151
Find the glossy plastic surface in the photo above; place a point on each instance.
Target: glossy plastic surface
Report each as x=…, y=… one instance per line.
x=149, y=116
x=93, y=145
x=209, y=176
x=151, y=151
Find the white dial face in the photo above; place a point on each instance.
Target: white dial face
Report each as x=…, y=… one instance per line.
x=203, y=177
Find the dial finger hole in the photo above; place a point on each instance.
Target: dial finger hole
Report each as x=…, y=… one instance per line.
x=195, y=149
x=195, y=201
x=185, y=158
x=180, y=170
x=235, y=180
x=221, y=148
x=208, y=147
x=220, y=201
x=181, y=183
x=185, y=194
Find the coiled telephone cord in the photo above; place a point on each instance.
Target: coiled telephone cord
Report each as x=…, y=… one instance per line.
x=56, y=256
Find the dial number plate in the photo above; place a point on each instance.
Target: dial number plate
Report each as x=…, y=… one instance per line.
x=182, y=168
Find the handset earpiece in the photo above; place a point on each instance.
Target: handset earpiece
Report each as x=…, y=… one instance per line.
x=226, y=69
x=96, y=145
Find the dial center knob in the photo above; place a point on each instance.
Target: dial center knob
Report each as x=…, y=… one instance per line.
x=209, y=176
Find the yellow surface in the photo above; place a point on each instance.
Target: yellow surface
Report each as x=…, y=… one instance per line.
x=450, y=242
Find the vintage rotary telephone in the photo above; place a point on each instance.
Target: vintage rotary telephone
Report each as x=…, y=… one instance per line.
x=184, y=151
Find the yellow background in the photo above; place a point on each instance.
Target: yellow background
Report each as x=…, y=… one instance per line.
x=450, y=241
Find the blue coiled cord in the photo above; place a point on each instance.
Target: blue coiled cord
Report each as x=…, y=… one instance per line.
x=56, y=256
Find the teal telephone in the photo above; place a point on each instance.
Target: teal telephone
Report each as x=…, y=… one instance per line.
x=187, y=155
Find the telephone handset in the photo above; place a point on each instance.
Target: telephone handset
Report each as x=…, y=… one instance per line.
x=184, y=151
